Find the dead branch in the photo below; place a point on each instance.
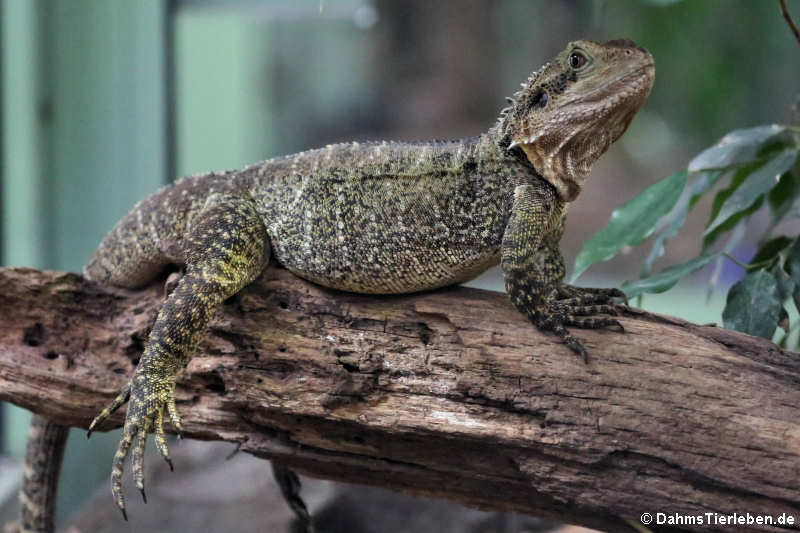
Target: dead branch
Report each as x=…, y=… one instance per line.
x=450, y=394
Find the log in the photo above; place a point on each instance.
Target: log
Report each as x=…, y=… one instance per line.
x=450, y=394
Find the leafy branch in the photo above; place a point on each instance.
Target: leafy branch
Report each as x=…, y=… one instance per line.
x=762, y=170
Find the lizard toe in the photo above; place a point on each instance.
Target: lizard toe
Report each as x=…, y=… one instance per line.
x=173, y=415
x=118, y=466
x=112, y=406
x=595, y=323
x=160, y=438
x=572, y=342
x=137, y=456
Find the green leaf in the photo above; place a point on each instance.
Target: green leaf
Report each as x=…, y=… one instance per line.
x=785, y=285
x=735, y=221
x=668, y=277
x=783, y=320
x=704, y=182
x=631, y=223
x=739, y=146
x=783, y=195
x=769, y=250
x=792, y=264
x=753, y=305
x=734, y=240
x=677, y=216
x=753, y=186
x=720, y=198
x=792, y=267
x=737, y=179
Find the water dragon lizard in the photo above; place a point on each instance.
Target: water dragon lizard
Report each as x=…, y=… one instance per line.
x=377, y=218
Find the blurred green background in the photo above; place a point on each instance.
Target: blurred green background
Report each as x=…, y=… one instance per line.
x=103, y=101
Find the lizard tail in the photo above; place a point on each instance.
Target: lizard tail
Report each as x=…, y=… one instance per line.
x=129, y=256
x=150, y=237
x=133, y=254
x=45, y=450
x=289, y=483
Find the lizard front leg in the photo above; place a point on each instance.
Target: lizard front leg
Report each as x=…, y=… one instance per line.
x=534, y=271
x=226, y=248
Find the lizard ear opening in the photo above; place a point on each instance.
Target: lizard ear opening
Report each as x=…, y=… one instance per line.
x=539, y=100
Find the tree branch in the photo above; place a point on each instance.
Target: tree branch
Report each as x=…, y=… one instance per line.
x=450, y=394
x=788, y=18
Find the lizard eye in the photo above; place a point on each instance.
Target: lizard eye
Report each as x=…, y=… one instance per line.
x=539, y=100
x=577, y=60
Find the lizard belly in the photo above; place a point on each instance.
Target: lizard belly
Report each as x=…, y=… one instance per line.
x=365, y=265
x=386, y=234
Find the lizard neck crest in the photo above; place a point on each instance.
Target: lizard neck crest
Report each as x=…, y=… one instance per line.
x=570, y=111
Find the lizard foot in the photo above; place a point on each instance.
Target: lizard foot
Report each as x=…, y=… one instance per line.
x=591, y=295
x=148, y=401
x=574, y=310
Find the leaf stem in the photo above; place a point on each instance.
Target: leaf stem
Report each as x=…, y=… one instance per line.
x=748, y=266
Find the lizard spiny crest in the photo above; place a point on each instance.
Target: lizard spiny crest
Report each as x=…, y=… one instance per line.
x=570, y=111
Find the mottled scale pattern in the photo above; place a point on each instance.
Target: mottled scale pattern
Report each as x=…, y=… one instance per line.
x=387, y=217
x=379, y=217
x=43, y=456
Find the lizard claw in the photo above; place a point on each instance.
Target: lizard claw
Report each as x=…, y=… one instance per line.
x=112, y=406
x=573, y=343
x=617, y=293
x=577, y=306
x=148, y=399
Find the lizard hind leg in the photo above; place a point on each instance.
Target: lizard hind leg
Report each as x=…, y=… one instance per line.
x=128, y=256
x=226, y=248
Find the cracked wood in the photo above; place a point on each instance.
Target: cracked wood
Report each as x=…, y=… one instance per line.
x=450, y=394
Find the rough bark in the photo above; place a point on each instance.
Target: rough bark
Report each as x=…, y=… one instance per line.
x=450, y=394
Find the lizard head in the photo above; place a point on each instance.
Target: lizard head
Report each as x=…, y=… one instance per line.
x=570, y=111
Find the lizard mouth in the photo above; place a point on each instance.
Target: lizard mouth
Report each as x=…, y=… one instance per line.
x=621, y=96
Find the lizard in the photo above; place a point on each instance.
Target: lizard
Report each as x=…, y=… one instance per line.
x=378, y=218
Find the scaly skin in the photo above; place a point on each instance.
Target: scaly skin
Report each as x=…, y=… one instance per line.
x=45, y=450
x=381, y=218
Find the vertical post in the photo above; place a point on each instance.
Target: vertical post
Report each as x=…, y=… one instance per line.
x=25, y=114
